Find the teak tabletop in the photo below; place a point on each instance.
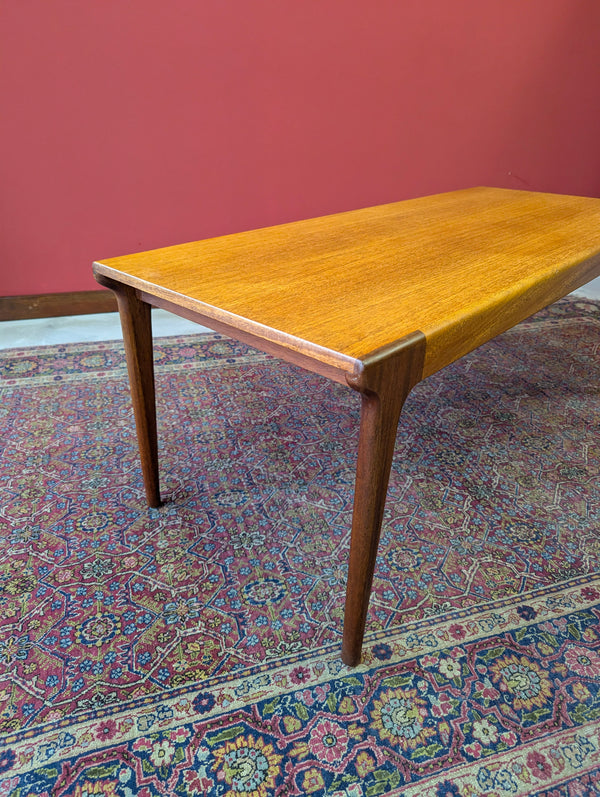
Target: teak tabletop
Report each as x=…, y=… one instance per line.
x=378, y=298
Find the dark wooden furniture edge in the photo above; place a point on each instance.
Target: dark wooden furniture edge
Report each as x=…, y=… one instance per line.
x=384, y=378
x=48, y=305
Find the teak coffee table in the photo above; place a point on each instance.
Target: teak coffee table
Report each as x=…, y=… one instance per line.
x=377, y=299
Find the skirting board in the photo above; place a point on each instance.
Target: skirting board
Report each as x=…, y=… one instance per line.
x=49, y=305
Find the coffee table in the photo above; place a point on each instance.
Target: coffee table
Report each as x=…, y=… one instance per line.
x=377, y=299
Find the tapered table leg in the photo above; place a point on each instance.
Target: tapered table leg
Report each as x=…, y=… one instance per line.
x=385, y=381
x=136, y=323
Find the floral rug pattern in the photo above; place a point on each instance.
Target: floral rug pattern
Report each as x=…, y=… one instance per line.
x=194, y=649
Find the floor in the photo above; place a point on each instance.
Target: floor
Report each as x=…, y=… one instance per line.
x=84, y=328
x=106, y=326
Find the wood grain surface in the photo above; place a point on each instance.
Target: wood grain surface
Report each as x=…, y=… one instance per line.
x=459, y=267
x=50, y=305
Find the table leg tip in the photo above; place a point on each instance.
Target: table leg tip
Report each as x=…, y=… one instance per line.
x=351, y=659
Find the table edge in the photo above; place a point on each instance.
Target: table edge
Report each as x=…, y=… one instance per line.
x=319, y=359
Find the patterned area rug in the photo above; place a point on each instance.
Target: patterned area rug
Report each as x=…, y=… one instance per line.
x=194, y=649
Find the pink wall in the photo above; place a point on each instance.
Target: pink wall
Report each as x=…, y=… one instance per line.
x=130, y=124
